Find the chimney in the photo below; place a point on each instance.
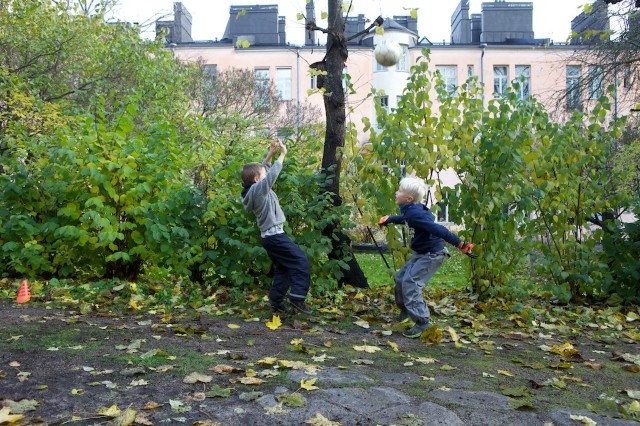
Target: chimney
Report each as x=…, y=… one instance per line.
x=310, y=37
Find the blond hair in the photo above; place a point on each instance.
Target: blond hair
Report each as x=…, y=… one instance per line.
x=414, y=187
x=250, y=171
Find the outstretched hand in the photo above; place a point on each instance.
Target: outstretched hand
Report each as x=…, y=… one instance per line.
x=467, y=248
x=383, y=220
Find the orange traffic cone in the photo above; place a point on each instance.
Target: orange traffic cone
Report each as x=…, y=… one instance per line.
x=24, y=294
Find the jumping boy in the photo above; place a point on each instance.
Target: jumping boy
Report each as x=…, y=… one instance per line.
x=428, y=249
x=290, y=263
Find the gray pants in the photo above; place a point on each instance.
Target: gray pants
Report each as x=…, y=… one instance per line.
x=410, y=281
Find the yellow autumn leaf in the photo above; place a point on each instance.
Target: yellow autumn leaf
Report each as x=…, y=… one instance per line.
x=324, y=15
x=267, y=360
x=394, y=346
x=367, y=348
x=296, y=342
x=453, y=334
x=308, y=384
x=567, y=350
x=320, y=420
x=505, y=373
x=275, y=323
x=299, y=16
x=233, y=326
x=634, y=407
x=77, y=391
x=414, y=13
x=5, y=417
x=111, y=411
x=431, y=335
x=251, y=381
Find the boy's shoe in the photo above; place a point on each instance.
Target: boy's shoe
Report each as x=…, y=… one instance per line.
x=279, y=307
x=415, y=331
x=298, y=305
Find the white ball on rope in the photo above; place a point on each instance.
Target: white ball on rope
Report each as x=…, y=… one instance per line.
x=388, y=53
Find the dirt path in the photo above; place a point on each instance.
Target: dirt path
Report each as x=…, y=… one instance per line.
x=59, y=367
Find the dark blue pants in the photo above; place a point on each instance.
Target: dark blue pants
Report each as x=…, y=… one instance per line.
x=291, y=268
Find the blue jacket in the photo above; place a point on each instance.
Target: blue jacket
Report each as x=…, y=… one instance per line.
x=428, y=236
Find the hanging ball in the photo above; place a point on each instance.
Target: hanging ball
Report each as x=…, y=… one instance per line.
x=388, y=53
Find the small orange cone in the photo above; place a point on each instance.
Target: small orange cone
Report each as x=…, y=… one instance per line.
x=24, y=294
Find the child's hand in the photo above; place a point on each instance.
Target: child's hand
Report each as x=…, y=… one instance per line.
x=466, y=249
x=383, y=220
x=274, y=146
x=283, y=147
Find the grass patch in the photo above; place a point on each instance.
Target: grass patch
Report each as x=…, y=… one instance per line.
x=454, y=273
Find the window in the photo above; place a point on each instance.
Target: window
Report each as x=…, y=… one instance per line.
x=383, y=101
x=283, y=83
x=380, y=68
x=574, y=87
x=500, y=80
x=403, y=62
x=470, y=71
x=595, y=81
x=209, y=73
x=313, y=83
x=449, y=74
x=523, y=78
x=263, y=89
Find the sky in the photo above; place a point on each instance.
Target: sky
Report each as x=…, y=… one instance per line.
x=551, y=18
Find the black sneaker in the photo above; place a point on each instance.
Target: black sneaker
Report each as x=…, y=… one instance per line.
x=298, y=305
x=279, y=307
x=415, y=331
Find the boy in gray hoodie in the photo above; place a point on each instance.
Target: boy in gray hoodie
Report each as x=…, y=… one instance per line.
x=290, y=263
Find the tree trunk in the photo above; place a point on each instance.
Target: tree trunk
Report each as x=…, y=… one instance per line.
x=334, y=102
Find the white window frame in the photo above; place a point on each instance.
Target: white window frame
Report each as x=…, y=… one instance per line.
x=574, y=87
x=263, y=86
x=500, y=80
x=523, y=77
x=449, y=75
x=403, y=62
x=284, y=83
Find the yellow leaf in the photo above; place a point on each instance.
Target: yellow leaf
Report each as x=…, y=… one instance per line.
x=252, y=381
x=634, y=407
x=394, y=346
x=320, y=420
x=308, y=384
x=233, y=326
x=267, y=361
x=567, y=350
x=379, y=31
x=324, y=15
x=505, y=373
x=77, y=391
x=431, y=335
x=275, y=323
x=5, y=417
x=296, y=342
x=454, y=335
x=111, y=411
x=299, y=16
x=414, y=13
x=367, y=348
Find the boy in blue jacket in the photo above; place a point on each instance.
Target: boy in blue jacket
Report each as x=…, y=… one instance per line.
x=428, y=249
x=291, y=266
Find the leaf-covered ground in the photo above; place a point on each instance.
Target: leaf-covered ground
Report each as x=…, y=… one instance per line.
x=62, y=364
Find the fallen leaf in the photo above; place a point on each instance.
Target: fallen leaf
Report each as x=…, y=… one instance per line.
x=275, y=323
x=583, y=419
x=431, y=335
x=292, y=400
x=505, y=373
x=251, y=381
x=197, y=377
x=233, y=326
x=320, y=420
x=5, y=417
x=218, y=391
x=226, y=369
x=308, y=384
x=111, y=411
x=367, y=348
x=362, y=323
x=151, y=405
x=394, y=346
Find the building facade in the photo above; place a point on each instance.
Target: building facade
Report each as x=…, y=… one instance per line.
x=497, y=46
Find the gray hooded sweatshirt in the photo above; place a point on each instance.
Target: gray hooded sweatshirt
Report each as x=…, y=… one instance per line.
x=260, y=199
